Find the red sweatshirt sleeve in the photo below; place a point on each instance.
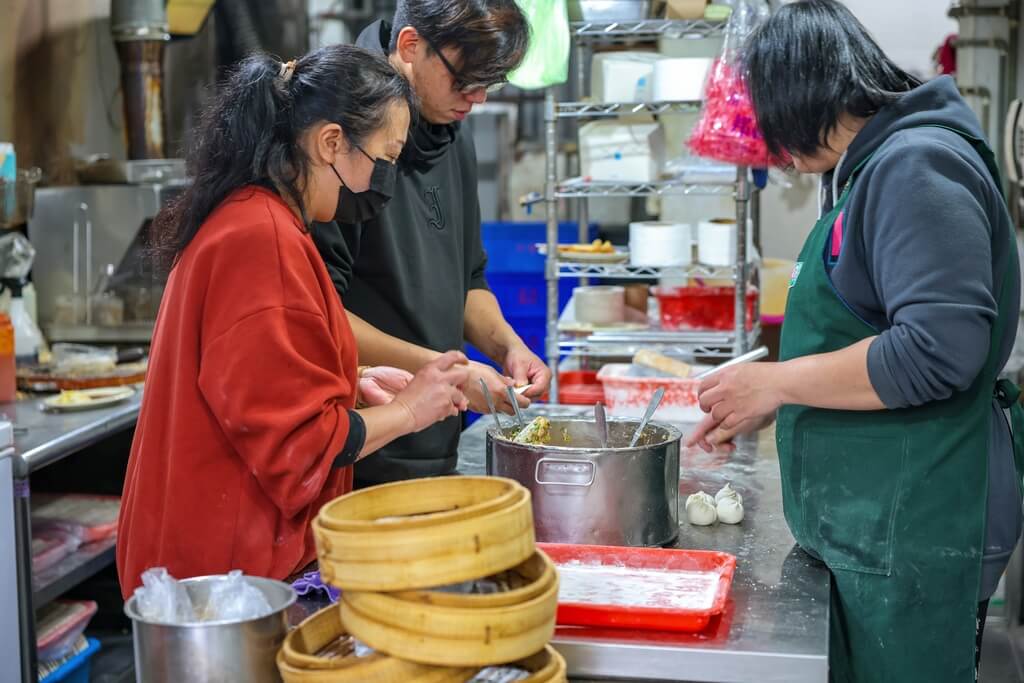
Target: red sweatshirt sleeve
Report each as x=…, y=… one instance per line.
x=274, y=383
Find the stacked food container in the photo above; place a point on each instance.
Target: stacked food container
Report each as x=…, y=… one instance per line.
x=440, y=580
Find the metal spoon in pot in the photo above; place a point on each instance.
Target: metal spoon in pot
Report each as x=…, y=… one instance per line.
x=514, y=400
x=648, y=414
x=490, y=404
x=602, y=424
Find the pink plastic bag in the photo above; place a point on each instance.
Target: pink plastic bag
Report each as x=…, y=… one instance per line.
x=727, y=129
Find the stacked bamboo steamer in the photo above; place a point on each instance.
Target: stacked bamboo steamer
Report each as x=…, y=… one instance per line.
x=389, y=547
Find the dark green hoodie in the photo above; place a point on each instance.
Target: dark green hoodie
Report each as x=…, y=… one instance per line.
x=408, y=271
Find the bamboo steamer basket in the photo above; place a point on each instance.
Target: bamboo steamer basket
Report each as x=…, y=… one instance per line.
x=536, y=574
x=297, y=661
x=547, y=666
x=481, y=630
x=466, y=528
x=443, y=651
x=418, y=502
x=409, y=542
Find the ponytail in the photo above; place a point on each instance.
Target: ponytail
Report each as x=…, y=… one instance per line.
x=250, y=134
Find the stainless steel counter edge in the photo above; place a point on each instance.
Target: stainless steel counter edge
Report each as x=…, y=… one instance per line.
x=643, y=662
x=43, y=438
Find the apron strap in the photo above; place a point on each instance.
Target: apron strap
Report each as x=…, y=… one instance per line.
x=1007, y=393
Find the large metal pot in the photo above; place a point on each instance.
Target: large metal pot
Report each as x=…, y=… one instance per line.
x=583, y=493
x=213, y=652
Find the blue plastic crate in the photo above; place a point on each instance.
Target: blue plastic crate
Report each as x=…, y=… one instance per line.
x=76, y=669
x=532, y=330
x=526, y=295
x=511, y=246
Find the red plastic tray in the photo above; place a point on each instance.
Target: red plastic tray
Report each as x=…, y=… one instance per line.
x=579, y=387
x=669, y=607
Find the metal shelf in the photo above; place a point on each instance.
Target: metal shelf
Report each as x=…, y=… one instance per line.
x=702, y=343
x=82, y=564
x=644, y=30
x=573, y=110
x=624, y=271
x=658, y=188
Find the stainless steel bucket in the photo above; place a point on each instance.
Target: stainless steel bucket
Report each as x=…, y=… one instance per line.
x=583, y=493
x=212, y=652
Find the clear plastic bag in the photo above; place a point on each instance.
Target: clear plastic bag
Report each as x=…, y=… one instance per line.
x=162, y=599
x=81, y=360
x=235, y=599
x=16, y=256
x=727, y=129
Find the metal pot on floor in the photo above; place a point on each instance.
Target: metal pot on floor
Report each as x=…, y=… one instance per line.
x=583, y=493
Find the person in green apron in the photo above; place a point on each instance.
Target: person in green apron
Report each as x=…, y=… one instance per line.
x=899, y=468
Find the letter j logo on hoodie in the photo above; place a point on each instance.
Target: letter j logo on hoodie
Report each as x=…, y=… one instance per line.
x=433, y=196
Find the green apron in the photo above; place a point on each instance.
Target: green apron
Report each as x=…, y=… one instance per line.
x=892, y=501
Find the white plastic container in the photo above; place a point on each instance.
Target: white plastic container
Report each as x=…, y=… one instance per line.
x=680, y=79
x=624, y=76
x=627, y=396
x=600, y=305
x=625, y=152
x=660, y=244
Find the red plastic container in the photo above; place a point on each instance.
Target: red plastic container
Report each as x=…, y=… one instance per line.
x=579, y=388
x=651, y=589
x=702, y=308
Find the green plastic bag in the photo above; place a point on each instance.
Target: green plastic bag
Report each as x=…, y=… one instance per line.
x=547, y=60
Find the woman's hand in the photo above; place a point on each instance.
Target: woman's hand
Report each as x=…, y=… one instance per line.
x=738, y=400
x=434, y=394
x=709, y=436
x=378, y=386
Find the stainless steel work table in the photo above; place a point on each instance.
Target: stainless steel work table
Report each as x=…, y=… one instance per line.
x=775, y=627
x=42, y=438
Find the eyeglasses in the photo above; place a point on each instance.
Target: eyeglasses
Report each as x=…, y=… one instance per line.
x=460, y=84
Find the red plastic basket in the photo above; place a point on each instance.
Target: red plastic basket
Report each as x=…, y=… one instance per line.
x=702, y=308
x=713, y=568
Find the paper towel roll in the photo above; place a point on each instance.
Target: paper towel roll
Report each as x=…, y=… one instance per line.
x=660, y=244
x=680, y=79
x=716, y=242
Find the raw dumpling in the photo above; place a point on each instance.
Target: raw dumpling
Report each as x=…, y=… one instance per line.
x=700, y=509
x=728, y=491
x=730, y=510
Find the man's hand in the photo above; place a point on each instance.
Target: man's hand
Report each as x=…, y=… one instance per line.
x=524, y=367
x=497, y=386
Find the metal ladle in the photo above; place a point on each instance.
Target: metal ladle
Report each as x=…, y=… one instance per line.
x=602, y=423
x=490, y=404
x=648, y=414
x=513, y=399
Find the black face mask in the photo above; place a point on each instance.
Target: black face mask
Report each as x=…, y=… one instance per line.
x=358, y=207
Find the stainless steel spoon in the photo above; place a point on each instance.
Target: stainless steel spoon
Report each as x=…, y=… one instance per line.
x=648, y=414
x=749, y=357
x=490, y=404
x=513, y=399
x=602, y=423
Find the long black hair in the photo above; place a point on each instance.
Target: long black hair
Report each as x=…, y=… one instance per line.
x=808, y=64
x=250, y=133
x=491, y=35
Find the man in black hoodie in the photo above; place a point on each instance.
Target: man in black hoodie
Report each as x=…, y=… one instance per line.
x=412, y=278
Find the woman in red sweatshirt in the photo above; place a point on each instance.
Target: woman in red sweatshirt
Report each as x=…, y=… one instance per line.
x=248, y=424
